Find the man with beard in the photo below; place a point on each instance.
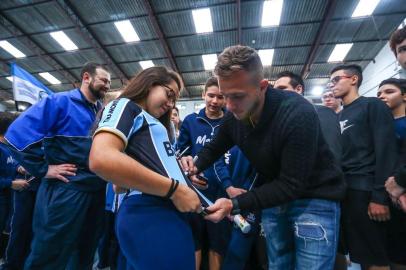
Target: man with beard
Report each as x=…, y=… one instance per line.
x=279, y=133
x=52, y=141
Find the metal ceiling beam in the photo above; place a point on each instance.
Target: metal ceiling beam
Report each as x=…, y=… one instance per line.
x=130, y=62
x=90, y=38
x=197, y=54
x=162, y=39
x=27, y=5
x=217, y=31
x=328, y=14
x=35, y=47
x=341, y=19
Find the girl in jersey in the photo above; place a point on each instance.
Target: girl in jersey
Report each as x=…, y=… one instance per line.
x=131, y=147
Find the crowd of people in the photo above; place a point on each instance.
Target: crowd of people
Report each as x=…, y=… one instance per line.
x=260, y=178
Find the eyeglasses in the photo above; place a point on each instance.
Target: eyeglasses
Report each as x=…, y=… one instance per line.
x=336, y=79
x=170, y=93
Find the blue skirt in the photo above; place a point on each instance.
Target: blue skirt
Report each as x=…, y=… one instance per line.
x=152, y=234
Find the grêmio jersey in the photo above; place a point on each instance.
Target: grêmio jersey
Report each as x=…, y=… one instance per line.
x=146, y=139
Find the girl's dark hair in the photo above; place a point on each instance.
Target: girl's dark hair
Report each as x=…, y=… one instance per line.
x=139, y=86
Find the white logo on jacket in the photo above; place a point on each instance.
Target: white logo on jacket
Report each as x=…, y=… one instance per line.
x=343, y=126
x=10, y=160
x=202, y=140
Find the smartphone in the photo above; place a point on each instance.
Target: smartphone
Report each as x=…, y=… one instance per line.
x=205, y=212
x=203, y=178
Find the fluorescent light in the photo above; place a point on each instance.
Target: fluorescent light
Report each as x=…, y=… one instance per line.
x=271, y=12
x=127, y=31
x=266, y=56
x=11, y=49
x=317, y=90
x=202, y=20
x=10, y=78
x=50, y=78
x=9, y=101
x=209, y=61
x=339, y=52
x=365, y=8
x=64, y=40
x=146, y=64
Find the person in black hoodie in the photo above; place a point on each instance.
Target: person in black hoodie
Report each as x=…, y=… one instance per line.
x=393, y=92
x=330, y=128
x=279, y=133
x=368, y=159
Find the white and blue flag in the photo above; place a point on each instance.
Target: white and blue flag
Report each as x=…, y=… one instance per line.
x=26, y=87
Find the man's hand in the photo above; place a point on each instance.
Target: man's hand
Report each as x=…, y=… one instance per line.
x=393, y=188
x=378, y=212
x=19, y=184
x=220, y=209
x=186, y=200
x=60, y=171
x=233, y=192
x=188, y=165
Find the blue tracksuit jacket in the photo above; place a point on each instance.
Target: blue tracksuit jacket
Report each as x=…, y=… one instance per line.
x=55, y=131
x=8, y=167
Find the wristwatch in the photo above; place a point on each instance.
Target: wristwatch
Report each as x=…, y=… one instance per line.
x=236, y=208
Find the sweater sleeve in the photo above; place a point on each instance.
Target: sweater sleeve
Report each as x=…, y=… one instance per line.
x=400, y=178
x=298, y=157
x=222, y=173
x=384, y=139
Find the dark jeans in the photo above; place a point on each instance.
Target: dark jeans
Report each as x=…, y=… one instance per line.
x=21, y=229
x=108, y=245
x=67, y=225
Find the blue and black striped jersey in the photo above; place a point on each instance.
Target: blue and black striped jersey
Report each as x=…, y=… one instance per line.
x=146, y=139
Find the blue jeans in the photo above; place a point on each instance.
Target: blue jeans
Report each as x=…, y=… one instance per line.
x=302, y=234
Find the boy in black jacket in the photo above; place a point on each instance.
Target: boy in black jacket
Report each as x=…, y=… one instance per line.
x=393, y=92
x=368, y=159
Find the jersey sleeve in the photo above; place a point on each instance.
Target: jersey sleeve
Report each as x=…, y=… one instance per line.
x=121, y=117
